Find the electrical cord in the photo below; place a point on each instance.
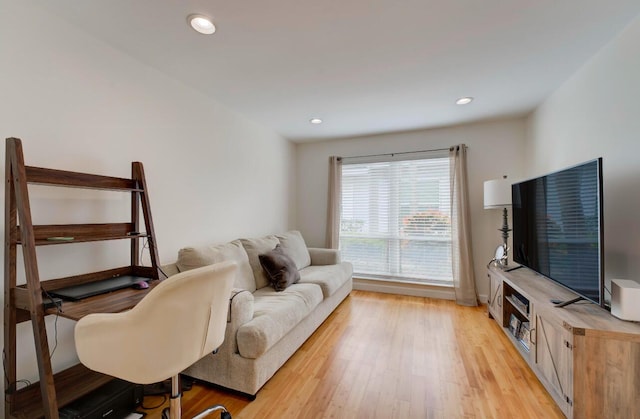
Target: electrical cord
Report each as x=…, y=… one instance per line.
x=13, y=387
x=58, y=305
x=145, y=245
x=164, y=400
x=55, y=336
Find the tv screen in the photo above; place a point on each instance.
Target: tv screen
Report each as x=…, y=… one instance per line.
x=557, y=228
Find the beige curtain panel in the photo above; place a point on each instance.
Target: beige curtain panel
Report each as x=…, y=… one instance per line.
x=333, y=207
x=461, y=255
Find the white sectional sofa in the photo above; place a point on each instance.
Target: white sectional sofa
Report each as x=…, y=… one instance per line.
x=266, y=327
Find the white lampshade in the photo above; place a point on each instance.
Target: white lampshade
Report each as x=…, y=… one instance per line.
x=497, y=193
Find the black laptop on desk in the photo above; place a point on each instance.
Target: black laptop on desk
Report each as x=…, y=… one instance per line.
x=78, y=292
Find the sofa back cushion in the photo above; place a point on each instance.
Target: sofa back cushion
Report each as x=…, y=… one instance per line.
x=254, y=248
x=293, y=244
x=197, y=257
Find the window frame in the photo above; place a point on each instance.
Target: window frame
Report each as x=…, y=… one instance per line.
x=395, y=238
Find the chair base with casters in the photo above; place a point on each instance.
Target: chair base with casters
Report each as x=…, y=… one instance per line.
x=176, y=406
x=177, y=323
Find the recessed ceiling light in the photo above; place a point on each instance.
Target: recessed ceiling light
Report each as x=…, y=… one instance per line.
x=202, y=24
x=315, y=121
x=464, y=100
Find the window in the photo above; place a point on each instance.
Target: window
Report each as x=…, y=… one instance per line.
x=395, y=219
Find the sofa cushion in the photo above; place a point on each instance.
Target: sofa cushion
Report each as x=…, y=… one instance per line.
x=197, y=257
x=280, y=268
x=294, y=245
x=255, y=247
x=329, y=277
x=275, y=315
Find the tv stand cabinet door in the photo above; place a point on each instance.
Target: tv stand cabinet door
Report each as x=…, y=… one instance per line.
x=607, y=375
x=554, y=360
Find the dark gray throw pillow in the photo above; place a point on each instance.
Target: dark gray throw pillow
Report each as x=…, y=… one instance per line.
x=281, y=270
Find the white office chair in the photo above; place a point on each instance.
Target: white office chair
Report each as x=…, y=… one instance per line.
x=180, y=321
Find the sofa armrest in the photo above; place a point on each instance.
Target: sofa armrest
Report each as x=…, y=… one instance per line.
x=240, y=307
x=240, y=312
x=324, y=256
x=170, y=269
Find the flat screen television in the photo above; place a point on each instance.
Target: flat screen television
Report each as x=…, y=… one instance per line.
x=558, y=228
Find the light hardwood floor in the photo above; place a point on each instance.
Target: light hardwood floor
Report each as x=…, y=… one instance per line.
x=391, y=356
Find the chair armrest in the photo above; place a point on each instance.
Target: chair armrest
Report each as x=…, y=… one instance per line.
x=324, y=256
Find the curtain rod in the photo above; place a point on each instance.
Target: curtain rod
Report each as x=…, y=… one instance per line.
x=402, y=152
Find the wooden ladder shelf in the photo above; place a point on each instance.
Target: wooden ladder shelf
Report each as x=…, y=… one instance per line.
x=25, y=302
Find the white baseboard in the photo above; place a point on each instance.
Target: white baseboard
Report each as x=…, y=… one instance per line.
x=412, y=289
x=401, y=288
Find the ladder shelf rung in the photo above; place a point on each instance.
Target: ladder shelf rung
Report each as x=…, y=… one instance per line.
x=111, y=302
x=69, y=281
x=75, y=233
x=54, y=177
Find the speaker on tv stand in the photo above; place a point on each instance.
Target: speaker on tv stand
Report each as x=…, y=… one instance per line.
x=625, y=299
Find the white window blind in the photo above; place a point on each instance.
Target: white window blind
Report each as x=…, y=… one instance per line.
x=395, y=219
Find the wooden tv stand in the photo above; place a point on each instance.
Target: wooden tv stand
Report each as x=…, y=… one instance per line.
x=588, y=360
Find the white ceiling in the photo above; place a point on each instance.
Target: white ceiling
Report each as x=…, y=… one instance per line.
x=364, y=66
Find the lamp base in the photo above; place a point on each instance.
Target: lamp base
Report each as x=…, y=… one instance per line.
x=505, y=236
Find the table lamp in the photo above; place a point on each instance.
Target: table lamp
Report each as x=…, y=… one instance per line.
x=497, y=194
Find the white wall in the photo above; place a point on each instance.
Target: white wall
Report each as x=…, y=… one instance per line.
x=80, y=105
x=495, y=148
x=596, y=113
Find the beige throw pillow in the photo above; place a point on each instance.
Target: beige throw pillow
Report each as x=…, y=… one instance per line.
x=293, y=244
x=197, y=257
x=254, y=248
